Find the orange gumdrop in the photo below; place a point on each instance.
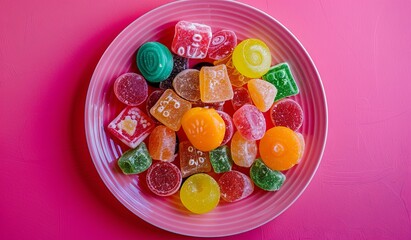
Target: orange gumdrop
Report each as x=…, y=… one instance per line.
x=280, y=148
x=204, y=128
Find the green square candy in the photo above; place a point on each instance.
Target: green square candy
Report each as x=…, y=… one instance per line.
x=220, y=159
x=265, y=178
x=281, y=77
x=135, y=160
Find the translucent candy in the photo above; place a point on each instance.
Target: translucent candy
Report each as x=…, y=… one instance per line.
x=216, y=105
x=154, y=61
x=135, y=160
x=186, y=84
x=287, y=113
x=243, y=151
x=302, y=142
x=222, y=44
x=163, y=178
x=241, y=97
x=250, y=122
x=191, y=40
x=265, y=178
x=162, y=143
x=252, y=58
x=262, y=93
x=131, y=89
x=193, y=160
x=215, y=84
x=200, y=193
x=179, y=64
x=280, y=148
x=151, y=101
x=236, y=78
x=131, y=126
x=220, y=159
x=281, y=77
x=235, y=186
x=169, y=109
x=229, y=127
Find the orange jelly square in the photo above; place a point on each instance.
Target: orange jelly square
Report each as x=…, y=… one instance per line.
x=215, y=85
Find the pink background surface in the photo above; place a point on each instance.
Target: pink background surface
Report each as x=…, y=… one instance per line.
x=51, y=190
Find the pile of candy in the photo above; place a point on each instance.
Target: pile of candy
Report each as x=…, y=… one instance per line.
x=188, y=106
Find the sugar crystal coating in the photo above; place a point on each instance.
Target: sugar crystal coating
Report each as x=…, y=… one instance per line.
x=262, y=93
x=163, y=178
x=179, y=64
x=235, y=186
x=162, y=143
x=250, y=122
x=265, y=178
x=236, y=78
x=243, y=151
x=135, y=160
x=281, y=77
x=241, y=97
x=287, y=113
x=193, y=160
x=215, y=84
x=229, y=127
x=131, y=89
x=220, y=159
x=186, y=84
x=222, y=44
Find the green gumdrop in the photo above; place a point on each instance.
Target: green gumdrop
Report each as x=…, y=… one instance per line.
x=265, y=178
x=281, y=77
x=154, y=61
x=220, y=159
x=135, y=160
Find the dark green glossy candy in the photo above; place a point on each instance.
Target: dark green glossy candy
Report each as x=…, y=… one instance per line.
x=265, y=178
x=154, y=61
x=135, y=160
x=220, y=159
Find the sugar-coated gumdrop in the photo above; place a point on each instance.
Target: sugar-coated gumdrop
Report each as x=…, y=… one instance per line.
x=154, y=61
x=236, y=78
x=229, y=127
x=151, y=101
x=135, y=160
x=131, y=89
x=179, y=64
x=265, y=178
x=222, y=44
x=262, y=93
x=252, y=58
x=250, y=122
x=131, y=126
x=241, y=97
x=162, y=143
x=200, y=193
x=163, y=178
x=281, y=77
x=215, y=84
x=235, y=186
x=220, y=159
x=287, y=113
x=193, y=160
x=243, y=151
x=186, y=84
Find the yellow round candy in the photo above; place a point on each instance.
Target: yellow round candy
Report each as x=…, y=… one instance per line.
x=200, y=193
x=252, y=58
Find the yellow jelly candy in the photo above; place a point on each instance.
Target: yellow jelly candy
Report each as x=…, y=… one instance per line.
x=252, y=58
x=262, y=93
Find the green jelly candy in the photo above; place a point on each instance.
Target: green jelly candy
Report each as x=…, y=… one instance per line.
x=265, y=178
x=281, y=77
x=135, y=160
x=220, y=159
x=154, y=61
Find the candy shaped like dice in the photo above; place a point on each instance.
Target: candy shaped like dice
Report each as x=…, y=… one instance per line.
x=215, y=85
x=236, y=78
x=262, y=93
x=162, y=143
x=200, y=193
x=229, y=127
x=240, y=98
x=191, y=40
x=193, y=160
x=280, y=148
x=179, y=64
x=250, y=122
x=220, y=159
x=131, y=89
x=252, y=58
x=243, y=151
x=151, y=101
x=205, y=129
x=169, y=109
x=222, y=44
x=186, y=84
x=281, y=77
x=287, y=113
x=265, y=178
x=131, y=126
x=163, y=178
x=235, y=186
x=135, y=160
x=154, y=61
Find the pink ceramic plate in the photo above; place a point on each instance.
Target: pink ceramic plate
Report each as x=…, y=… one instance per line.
x=168, y=213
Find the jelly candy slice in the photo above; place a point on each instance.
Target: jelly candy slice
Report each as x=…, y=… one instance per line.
x=287, y=113
x=163, y=178
x=215, y=86
x=135, y=160
x=162, y=143
x=220, y=159
x=131, y=126
x=222, y=44
x=262, y=93
x=236, y=78
x=235, y=186
x=281, y=77
x=169, y=109
x=154, y=61
x=179, y=64
x=252, y=58
x=191, y=40
x=250, y=122
x=265, y=178
x=229, y=127
x=241, y=97
x=243, y=151
x=186, y=84
x=200, y=193
x=131, y=89
x=151, y=101
x=280, y=148
x=193, y=160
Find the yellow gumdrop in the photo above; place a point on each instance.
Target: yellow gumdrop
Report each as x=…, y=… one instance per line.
x=252, y=58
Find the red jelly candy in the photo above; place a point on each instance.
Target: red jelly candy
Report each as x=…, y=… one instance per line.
x=222, y=44
x=241, y=97
x=163, y=178
x=235, y=186
x=250, y=122
x=131, y=89
x=287, y=113
x=229, y=127
x=151, y=101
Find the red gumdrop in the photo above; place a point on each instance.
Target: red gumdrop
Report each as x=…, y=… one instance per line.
x=287, y=113
x=241, y=96
x=235, y=186
x=250, y=122
x=131, y=89
x=229, y=127
x=163, y=178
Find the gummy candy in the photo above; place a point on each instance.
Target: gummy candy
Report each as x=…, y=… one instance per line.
x=169, y=109
x=186, y=84
x=280, y=148
x=154, y=61
x=287, y=113
x=179, y=64
x=252, y=58
x=241, y=97
x=220, y=159
x=131, y=126
x=235, y=186
x=281, y=77
x=236, y=78
x=265, y=178
x=193, y=160
x=135, y=160
x=302, y=142
x=131, y=89
x=222, y=44
x=151, y=101
x=162, y=143
x=205, y=129
x=262, y=93
x=163, y=178
x=250, y=122
x=229, y=127
x=243, y=151
x=191, y=40
x=200, y=193
x=215, y=84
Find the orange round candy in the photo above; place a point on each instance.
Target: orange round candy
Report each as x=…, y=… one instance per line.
x=280, y=148
x=204, y=127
